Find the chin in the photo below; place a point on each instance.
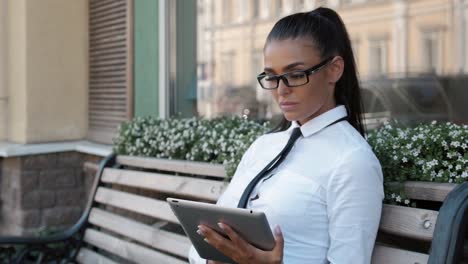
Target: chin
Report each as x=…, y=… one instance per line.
x=290, y=117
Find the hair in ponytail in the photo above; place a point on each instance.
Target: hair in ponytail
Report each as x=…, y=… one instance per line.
x=328, y=34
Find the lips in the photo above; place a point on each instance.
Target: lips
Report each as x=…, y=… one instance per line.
x=287, y=106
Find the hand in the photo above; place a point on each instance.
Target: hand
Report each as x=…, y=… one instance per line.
x=240, y=250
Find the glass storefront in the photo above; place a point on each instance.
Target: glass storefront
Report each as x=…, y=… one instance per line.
x=411, y=55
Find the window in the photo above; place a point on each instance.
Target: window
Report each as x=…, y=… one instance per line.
x=264, y=101
x=465, y=41
x=227, y=15
x=3, y=87
x=377, y=57
x=255, y=8
x=355, y=43
x=279, y=7
x=232, y=56
x=228, y=68
x=300, y=5
x=431, y=51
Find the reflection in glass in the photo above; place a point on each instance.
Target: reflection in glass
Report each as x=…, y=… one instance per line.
x=411, y=76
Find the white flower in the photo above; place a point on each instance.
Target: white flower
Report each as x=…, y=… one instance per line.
x=444, y=143
x=398, y=198
x=395, y=157
x=464, y=146
x=407, y=201
x=404, y=159
x=433, y=122
x=393, y=196
x=458, y=167
x=455, y=144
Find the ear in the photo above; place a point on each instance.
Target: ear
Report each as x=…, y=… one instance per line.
x=335, y=70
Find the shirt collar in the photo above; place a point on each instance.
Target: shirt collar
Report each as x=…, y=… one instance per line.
x=320, y=122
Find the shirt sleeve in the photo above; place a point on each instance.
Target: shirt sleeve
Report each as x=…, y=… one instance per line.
x=194, y=258
x=354, y=205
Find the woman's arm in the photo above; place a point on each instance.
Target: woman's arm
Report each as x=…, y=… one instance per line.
x=354, y=205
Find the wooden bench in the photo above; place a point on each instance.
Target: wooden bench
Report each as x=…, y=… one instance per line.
x=128, y=221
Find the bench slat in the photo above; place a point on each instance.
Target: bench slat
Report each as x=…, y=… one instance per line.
x=389, y=255
x=88, y=256
x=193, y=187
x=136, y=203
x=189, y=167
x=127, y=250
x=429, y=191
x=408, y=222
x=151, y=236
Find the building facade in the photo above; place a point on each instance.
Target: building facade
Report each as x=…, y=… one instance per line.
x=71, y=72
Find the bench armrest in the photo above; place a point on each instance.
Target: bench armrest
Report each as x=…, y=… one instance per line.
x=60, y=246
x=451, y=228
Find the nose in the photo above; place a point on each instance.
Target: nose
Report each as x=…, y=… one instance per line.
x=282, y=88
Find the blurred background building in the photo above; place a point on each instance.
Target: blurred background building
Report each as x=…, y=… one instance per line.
x=72, y=71
x=403, y=48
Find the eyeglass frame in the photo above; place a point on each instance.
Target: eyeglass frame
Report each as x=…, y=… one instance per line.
x=307, y=72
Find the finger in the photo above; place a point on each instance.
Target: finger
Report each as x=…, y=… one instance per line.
x=279, y=242
x=216, y=240
x=240, y=243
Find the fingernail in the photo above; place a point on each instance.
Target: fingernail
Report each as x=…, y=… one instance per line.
x=221, y=225
x=277, y=230
x=206, y=240
x=199, y=232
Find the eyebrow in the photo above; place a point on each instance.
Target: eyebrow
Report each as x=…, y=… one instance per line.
x=288, y=67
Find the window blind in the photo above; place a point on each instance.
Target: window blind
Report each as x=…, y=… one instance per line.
x=110, y=67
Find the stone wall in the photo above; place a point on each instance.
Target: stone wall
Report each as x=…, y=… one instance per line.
x=46, y=191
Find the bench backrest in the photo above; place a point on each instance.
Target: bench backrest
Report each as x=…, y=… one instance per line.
x=131, y=220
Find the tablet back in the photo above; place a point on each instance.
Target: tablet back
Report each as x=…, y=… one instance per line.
x=252, y=226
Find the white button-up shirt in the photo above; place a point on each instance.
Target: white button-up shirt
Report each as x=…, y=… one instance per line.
x=326, y=195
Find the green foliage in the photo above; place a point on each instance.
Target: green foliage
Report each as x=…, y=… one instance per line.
x=428, y=152
x=221, y=140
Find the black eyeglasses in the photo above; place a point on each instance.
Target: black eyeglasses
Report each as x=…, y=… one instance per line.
x=290, y=79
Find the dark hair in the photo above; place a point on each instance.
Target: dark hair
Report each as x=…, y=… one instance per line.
x=328, y=34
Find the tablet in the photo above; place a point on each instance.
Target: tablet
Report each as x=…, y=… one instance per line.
x=252, y=226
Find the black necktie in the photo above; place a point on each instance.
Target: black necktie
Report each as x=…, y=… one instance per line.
x=296, y=133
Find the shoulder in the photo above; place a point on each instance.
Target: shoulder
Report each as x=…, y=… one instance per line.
x=357, y=168
x=357, y=162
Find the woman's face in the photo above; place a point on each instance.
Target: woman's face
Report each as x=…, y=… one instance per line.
x=301, y=103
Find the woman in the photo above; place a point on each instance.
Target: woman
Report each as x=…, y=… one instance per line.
x=324, y=200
